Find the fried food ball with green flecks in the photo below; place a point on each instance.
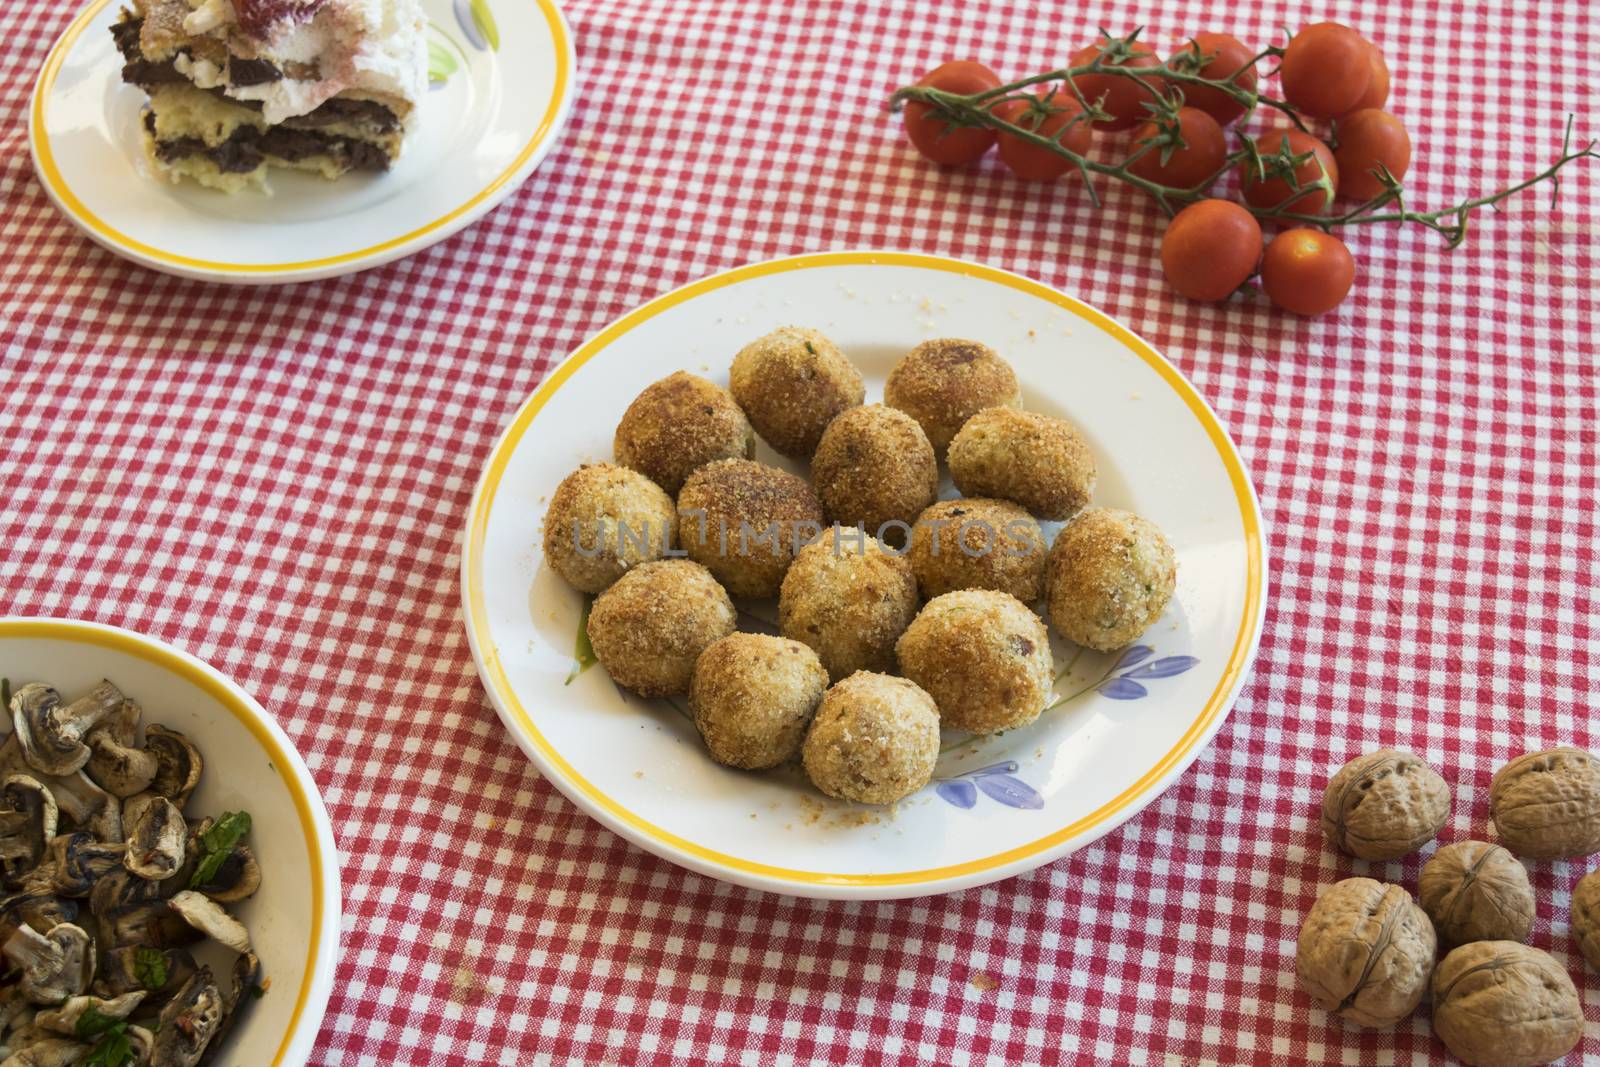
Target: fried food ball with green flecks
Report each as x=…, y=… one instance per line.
x=874, y=740
x=744, y=521
x=849, y=599
x=1109, y=578
x=678, y=425
x=753, y=697
x=978, y=543
x=649, y=628
x=602, y=520
x=875, y=467
x=943, y=383
x=1040, y=462
x=983, y=656
x=791, y=383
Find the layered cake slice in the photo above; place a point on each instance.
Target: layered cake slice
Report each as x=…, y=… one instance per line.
x=236, y=86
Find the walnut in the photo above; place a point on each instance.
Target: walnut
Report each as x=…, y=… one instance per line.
x=1547, y=804
x=1383, y=805
x=1475, y=891
x=1503, y=1004
x=1365, y=952
x=1586, y=917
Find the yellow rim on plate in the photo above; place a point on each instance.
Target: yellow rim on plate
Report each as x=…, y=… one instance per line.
x=500, y=687
x=60, y=630
x=51, y=176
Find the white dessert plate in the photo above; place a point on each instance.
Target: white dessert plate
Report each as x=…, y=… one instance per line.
x=249, y=764
x=502, y=83
x=1129, y=723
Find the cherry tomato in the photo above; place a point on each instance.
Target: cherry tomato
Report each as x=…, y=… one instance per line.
x=1377, y=93
x=1228, y=55
x=1367, y=138
x=1307, y=271
x=1210, y=248
x=1326, y=70
x=1205, y=150
x=1122, y=98
x=929, y=129
x=1030, y=161
x=1273, y=191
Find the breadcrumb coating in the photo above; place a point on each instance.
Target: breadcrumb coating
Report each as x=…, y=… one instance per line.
x=753, y=697
x=874, y=466
x=1040, y=462
x=849, y=599
x=792, y=383
x=875, y=739
x=602, y=520
x=743, y=520
x=679, y=424
x=1110, y=576
x=649, y=628
x=983, y=656
x=944, y=382
x=979, y=543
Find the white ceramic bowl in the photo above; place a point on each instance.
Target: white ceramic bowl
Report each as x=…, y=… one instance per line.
x=1129, y=722
x=250, y=764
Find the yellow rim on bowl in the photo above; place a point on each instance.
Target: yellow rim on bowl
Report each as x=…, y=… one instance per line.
x=50, y=174
x=183, y=667
x=500, y=689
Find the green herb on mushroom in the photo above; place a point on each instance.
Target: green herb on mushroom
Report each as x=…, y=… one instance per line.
x=150, y=968
x=217, y=844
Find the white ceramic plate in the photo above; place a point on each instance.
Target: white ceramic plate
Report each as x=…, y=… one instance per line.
x=482, y=129
x=1000, y=807
x=249, y=764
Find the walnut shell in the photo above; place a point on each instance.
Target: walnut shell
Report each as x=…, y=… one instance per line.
x=1503, y=1004
x=1365, y=952
x=1547, y=804
x=1383, y=805
x=1475, y=891
x=1586, y=917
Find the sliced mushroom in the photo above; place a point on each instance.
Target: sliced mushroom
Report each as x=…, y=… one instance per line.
x=41, y=911
x=188, y=1023
x=29, y=1033
x=13, y=1005
x=116, y=762
x=159, y=973
x=155, y=925
x=132, y=912
x=27, y=826
x=156, y=836
x=73, y=864
x=54, y=966
x=180, y=764
x=121, y=890
x=207, y=916
x=238, y=877
x=88, y=806
x=245, y=968
x=141, y=1043
x=64, y=1020
x=51, y=733
x=51, y=1052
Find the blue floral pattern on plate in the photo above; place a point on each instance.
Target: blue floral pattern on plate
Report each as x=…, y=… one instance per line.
x=996, y=781
x=1124, y=681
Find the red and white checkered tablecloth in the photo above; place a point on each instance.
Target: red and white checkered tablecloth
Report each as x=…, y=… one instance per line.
x=276, y=479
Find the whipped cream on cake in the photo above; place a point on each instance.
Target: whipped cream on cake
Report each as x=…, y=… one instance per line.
x=236, y=86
